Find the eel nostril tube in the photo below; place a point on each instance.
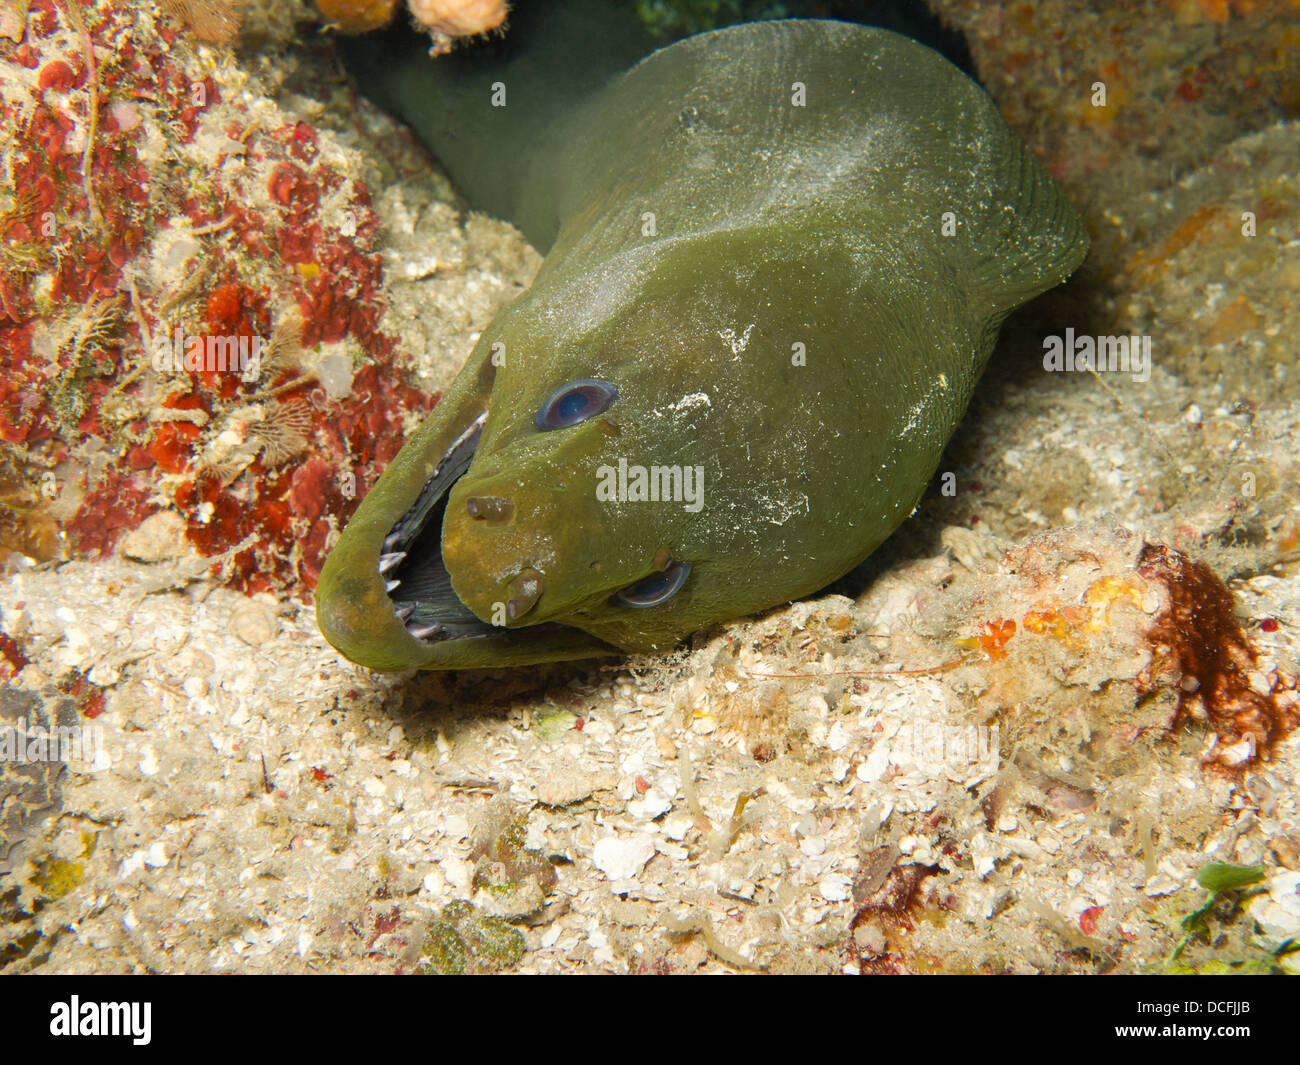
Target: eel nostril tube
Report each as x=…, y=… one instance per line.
x=492, y=509
x=523, y=592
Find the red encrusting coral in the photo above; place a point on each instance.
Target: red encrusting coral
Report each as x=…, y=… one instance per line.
x=91, y=701
x=288, y=229
x=50, y=227
x=1199, y=637
x=12, y=655
x=890, y=905
x=116, y=505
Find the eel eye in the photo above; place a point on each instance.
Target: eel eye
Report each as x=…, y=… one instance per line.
x=575, y=402
x=656, y=589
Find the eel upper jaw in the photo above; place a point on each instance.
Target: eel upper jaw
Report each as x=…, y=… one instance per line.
x=418, y=585
x=410, y=563
x=384, y=599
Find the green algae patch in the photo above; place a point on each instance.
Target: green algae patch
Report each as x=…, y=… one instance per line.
x=56, y=877
x=465, y=942
x=553, y=723
x=517, y=877
x=1216, y=936
x=445, y=952
x=1218, y=877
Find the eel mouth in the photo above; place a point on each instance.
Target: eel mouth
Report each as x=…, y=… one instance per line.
x=411, y=564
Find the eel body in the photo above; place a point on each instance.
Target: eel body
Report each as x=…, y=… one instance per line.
x=776, y=259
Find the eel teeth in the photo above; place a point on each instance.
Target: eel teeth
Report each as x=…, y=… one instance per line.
x=390, y=561
x=392, y=541
x=390, y=585
x=423, y=632
x=404, y=612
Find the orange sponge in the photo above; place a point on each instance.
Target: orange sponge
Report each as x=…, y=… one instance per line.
x=444, y=19
x=459, y=18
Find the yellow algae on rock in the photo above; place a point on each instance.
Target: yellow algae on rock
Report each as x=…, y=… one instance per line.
x=357, y=16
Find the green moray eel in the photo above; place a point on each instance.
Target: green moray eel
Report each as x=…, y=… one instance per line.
x=776, y=259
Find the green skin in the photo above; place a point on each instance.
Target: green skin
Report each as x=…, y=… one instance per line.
x=797, y=275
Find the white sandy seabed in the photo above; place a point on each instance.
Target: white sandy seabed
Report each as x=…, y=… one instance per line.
x=254, y=803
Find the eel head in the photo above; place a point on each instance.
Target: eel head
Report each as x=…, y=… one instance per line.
x=548, y=508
